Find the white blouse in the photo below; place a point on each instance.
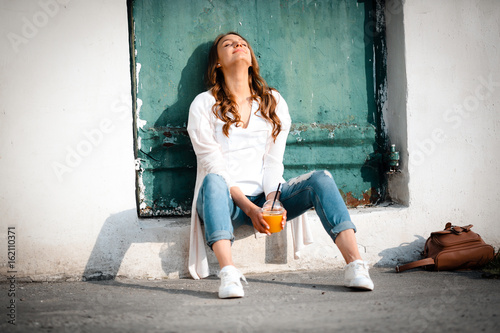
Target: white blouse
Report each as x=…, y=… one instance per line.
x=249, y=158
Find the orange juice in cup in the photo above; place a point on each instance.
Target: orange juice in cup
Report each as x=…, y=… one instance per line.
x=273, y=215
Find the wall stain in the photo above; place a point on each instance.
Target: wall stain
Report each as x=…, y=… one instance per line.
x=369, y=198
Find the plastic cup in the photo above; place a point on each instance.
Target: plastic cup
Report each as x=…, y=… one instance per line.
x=273, y=217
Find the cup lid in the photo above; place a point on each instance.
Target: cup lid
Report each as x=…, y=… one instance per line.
x=276, y=207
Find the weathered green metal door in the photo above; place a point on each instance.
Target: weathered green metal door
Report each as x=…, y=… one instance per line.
x=322, y=56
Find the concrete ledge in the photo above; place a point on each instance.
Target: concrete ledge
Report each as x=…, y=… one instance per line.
x=158, y=248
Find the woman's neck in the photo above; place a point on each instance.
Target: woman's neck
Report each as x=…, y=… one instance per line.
x=237, y=82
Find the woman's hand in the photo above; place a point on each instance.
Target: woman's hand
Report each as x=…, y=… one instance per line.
x=260, y=224
x=255, y=214
x=253, y=211
x=283, y=221
x=271, y=196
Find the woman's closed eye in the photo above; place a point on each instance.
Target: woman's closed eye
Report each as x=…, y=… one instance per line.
x=226, y=44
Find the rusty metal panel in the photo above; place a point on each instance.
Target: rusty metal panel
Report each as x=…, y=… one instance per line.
x=319, y=54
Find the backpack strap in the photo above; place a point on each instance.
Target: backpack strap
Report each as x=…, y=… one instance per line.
x=415, y=264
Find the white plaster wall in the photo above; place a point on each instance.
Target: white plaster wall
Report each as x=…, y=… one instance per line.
x=453, y=77
x=68, y=80
x=66, y=147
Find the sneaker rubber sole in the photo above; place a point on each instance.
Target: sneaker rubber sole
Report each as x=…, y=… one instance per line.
x=231, y=292
x=365, y=285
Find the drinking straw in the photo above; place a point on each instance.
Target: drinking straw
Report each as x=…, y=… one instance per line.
x=275, y=196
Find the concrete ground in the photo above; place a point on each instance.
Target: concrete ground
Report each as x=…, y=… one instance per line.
x=306, y=301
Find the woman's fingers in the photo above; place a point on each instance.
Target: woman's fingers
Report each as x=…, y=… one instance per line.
x=264, y=225
x=259, y=223
x=283, y=220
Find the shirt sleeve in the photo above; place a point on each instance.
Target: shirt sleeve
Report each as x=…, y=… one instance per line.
x=202, y=134
x=273, y=159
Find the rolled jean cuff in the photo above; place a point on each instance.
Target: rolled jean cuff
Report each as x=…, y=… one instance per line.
x=219, y=235
x=336, y=230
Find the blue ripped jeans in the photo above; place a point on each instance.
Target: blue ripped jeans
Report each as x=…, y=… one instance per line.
x=316, y=189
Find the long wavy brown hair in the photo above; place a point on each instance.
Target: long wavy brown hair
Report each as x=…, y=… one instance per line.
x=225, y=107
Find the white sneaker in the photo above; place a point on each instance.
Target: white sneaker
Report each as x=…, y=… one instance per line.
x=230, y=285
x=356, y=275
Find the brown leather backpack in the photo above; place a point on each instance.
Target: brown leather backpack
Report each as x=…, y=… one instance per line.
x=453, y=248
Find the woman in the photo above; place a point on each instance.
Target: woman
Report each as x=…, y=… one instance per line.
x=238, y=129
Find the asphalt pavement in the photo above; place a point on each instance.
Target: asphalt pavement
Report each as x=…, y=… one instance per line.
x=304, y=301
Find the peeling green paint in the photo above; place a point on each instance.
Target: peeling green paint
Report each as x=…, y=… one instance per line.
x=318, y=54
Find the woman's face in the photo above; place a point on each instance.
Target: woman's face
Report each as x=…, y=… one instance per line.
x=232, y=49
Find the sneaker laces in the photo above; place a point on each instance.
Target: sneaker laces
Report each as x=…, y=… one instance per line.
x=361, y=268
x=231, y=276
